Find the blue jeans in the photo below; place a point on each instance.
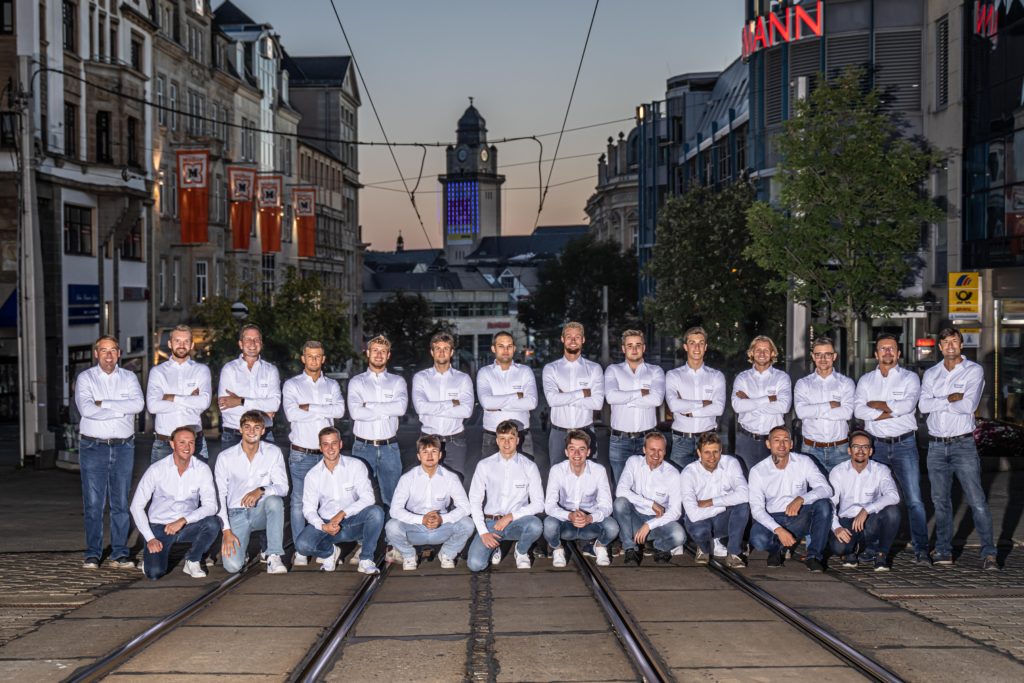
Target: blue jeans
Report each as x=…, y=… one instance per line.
x=267, y=514
x=363, y=527
x=665, y=537
x=451, y=537
x=454, y=452
x=621, y=449
x=732, y=523
x=230, y=437
x=814, y=519
x=299, y=465
x=526, y=530
x=106, y=473
x=959, y=458
x=827, y=457
x=750, y=451
x=879, y=531
x=385, y=462
x=161, y=449
x=684, y=450
x=902, y=458
x=556, y=531
x=200, y=535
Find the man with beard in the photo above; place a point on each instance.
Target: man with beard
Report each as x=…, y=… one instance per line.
x=635, y=391
x=574, y=388
x=696, y=397
x=247, y=383
x=761, y=397
x=506, y=391
x=824, y=404
x=177, y=394
x=443, y=399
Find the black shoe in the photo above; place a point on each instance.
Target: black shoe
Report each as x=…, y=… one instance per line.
x=990, y=563
x=633, y=557
x=775, y=559
x=814, y=565
x=662, y=556
x=922, y=557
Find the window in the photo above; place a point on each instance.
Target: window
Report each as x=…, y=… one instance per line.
x=8, y=128
x=165, y=206
x=942, y=62
x=218, y=278
x=135, y=53
x=70, y=21
x=133, y=141
x=176, y=282
x=131, y=247
x=161, y=113
x=161, y=283
x=6, y=16
x=201, y=281
x=174, y=106
x=70, y=130
x=172, y=192
x=103, y=136
x=77, y=230
x=113, y=43
x=269, y=263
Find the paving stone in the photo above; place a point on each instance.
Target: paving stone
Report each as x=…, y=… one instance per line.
x=387, y=661
x=38, y=670
x=286, y=610
x=432, y=618
x=953, y=664
x=72, y=638
x=310, y=583
x=715, y=605
x=673, y=578
x=771, y=674
x=569, y=657
x=538, y=584
x=402, y=588
x=138, y=603
x=533, y=615
x=702, y=645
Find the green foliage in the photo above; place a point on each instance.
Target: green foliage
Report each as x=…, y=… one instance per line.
x=408, y=321
x=704, y=278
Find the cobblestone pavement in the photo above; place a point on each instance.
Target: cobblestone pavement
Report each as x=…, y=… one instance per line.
x=36, y=588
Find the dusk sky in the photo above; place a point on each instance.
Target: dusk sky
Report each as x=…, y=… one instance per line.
x=421, y=60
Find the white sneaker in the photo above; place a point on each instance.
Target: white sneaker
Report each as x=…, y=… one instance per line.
x=368, y=567
x=678, y=550
x=355, y=554
x=522, y=561
x=409, y=564
x=275, y=565
x=601, y=552
x=719, y=550
x=299, y=560
x=392, y=555
x=496, y=556
x=194, y=569
x=263, y=557
x=446, y=562
x=328, y=564
x=557, y=558
x=210, y=561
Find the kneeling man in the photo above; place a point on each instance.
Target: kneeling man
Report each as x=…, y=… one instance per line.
x=182, y=507
x=647, y=503
x=429, y=507
x=338, y=505
x=579, y=502
x=715, y=496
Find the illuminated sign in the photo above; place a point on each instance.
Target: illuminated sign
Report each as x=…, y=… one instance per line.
x=786, y=25
x=964, y=296
x=462, y=209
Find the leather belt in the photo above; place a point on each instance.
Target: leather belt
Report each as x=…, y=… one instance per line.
x=819, y=444
x=522, y=432
x=445, y=439
x=694, y=435
x=752, y=435
x=108, y=442
x=307, y=451
x=377, y=442
x=493, y=516
x=164, y=437
x=950, y=439
x=627, y=435
x=893, y=439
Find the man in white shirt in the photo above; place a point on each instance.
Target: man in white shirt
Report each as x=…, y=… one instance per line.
x=430, y=507
x=696, y=397
x=311, y=401
x=506, y=391
x=866, y=502
x=824, y=404
x=574, y=389
x=443, y=398
x=338, y=506
x=578, y=502
x=182, y=504
x=886, y=399
x=635, y=391
x=108, y=398
x=376, y=400
x=177, y=394
x=505, y=498
x=714, y=495
x=647, y=504
x=251, y=486
x=789, y=499
x=950, y=395
x=761, y=397
x=247, y=383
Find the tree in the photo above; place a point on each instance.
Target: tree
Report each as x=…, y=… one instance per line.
x=408, y=321
x=703, y=276
x=569, y=288
x=851, y=208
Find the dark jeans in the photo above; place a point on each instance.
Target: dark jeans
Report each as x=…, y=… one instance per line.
x=959, y=458
x=454, y=451
x=879, y=531
x=364, y=527
x=385, y=462
x=814, y=519
x=684, y=450
x=665, y=537
x=621, y=449
x=106, y=472
x=902, y=458
x=732, y=523
x=750, y=451
x=200, y=535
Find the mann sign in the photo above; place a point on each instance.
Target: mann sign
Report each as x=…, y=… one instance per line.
x=786, y=25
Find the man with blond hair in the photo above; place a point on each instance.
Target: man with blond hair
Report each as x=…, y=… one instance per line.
x=574, y=388
x=761, y=397
x=696, y=397
x=635, y=391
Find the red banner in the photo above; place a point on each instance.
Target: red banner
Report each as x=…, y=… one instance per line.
x=194, y=195
x=304, y=206
x=269, y=189
x=241, y=189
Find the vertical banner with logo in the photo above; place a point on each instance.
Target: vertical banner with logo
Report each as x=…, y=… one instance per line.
x=241, y=191
x=194, y=195
x=964, y=296
x=304, y=207
x=269, y=189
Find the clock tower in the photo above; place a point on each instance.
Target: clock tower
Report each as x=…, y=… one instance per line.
x=472, y=188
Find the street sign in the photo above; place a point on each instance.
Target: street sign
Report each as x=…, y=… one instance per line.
x=964, y=296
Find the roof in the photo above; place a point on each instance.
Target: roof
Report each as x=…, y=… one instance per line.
x=316, y=70
x=229, y=14
x=730, y=94
x=426, y=282
x=401, y=261
x=545, y=242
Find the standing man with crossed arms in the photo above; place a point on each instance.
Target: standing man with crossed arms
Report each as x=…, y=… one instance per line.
x=761, y=397
x=574, y=389
x=506, y=391
x=247, y=383
x=635, y=391
x=824, y=404
x=177, y=394
x=696, y=397
x=443, y=399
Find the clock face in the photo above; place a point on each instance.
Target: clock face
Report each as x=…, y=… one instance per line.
x=484, y=154
x=462, y=154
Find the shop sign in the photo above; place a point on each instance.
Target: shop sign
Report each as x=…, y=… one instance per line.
x=785, y=25
x=972, y=337
x=964, y=296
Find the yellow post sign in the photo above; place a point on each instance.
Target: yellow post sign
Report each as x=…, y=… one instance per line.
x=964, y=296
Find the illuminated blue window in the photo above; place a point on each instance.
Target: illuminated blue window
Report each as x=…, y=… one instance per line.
x=462, y=205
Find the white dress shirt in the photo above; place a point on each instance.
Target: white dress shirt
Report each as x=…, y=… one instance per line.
x=432, y=394
x=259, y=386
x=686, y=390
x=872, y=490
x=122, y=401
x=568, y=492
x=564, y=382
x=772, y=489
x=631, y=410
x=945, y=418
x=757, y=413
x=900, y=389
x=724, y=487
x=418, y=493
x=172, y=496
x=375, y=401
x=812, y=396
x=643, y=487
x=179, y=380
x=327, y=493
x=236, y=476
x=511, y=486
x=498, y=392
x=323, y=397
